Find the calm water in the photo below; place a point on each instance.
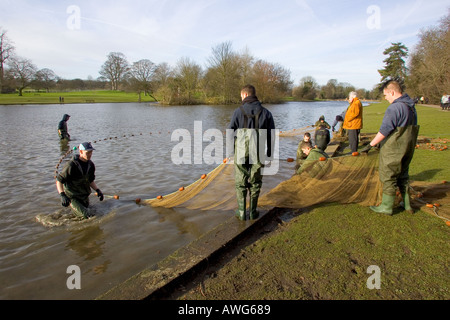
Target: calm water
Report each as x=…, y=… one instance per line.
x=124, y=238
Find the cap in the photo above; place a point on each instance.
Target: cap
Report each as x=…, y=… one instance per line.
x=86, y=146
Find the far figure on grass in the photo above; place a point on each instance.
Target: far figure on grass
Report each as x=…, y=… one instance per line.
x=75, y=181
x=248, y=121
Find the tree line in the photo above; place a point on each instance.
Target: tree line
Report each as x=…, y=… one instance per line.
x=227, y=70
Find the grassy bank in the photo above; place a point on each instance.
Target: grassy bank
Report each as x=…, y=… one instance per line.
x=73, y=97
x=324, y=252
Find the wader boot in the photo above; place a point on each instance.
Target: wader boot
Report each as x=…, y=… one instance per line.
x=406, y=202
x=254, y=214
x=242, y=204
x=386, y=206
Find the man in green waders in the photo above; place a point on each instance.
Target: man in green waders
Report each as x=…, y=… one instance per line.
x=253, y=125
x=398, y=136
x=75, y=181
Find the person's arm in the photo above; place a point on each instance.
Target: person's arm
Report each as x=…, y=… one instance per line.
x=378, y=138
x=59, y=187
x=99, y=193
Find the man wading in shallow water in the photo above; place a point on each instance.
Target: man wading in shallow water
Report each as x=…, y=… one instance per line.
x=247, y=121
x=75, y=181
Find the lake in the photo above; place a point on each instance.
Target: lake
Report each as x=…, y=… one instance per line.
x=133, y=143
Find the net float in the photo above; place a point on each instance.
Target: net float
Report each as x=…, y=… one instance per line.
x=356, y=153
x=447, y=223
x=181, y=189
x=429, y=205
x=203, y=176
x=138, y=200
x=225, y=160
x=437, y=204
x=159, y=197
x=290, y=159
x=322, y=159
x=116, y=196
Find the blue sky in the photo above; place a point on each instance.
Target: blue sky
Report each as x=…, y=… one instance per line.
x=341, y=40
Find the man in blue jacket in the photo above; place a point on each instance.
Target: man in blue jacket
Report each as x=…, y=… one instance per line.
x=248, y=122
x=398, y=137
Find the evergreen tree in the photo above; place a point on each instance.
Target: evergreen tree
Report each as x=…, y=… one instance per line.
x=395, y=66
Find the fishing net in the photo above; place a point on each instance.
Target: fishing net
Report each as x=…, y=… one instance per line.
x=341, y=179
x=296, y=132
x=346, y=179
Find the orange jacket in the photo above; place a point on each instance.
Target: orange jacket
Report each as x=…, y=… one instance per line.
x=354, y=115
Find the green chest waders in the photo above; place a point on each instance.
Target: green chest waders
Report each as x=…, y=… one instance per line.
x=247, y=166
x=78, y=191
x=395, y=157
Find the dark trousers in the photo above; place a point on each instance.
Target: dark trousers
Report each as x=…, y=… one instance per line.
x=353, y=139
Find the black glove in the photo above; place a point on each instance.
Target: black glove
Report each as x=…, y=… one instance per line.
x=65, y=200
x=99, y=194
x=366, y=149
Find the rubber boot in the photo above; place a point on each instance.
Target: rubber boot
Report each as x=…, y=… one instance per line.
x=406, y=203
x=242, y=204
x=254, y=214
x=386, y=206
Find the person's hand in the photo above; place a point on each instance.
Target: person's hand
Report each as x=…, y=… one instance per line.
x=99, y=194
x=366, y=149
x=65, y=200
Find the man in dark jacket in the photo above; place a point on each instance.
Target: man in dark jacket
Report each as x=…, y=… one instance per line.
x=75, y=181
x=251, y=123
x=398, y=136
x=62, y=128
x=322, y=137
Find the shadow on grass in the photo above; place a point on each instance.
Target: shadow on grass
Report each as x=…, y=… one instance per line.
x=425, y=175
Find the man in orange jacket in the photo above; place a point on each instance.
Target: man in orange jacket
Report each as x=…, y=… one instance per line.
x=353, y=121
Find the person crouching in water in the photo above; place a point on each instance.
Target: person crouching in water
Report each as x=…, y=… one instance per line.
x=305, y=142
x=75, y=181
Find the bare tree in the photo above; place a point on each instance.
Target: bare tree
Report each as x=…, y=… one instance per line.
x=22, y=71
x=141, y=75
x=187, y=75
x=6, y=51
x=271, y=80
x=307, y=90
x=223, y=73
x=429, y=65
x=115, y=69
x=45, y=78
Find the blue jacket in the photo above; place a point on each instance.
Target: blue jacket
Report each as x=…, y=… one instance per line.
x=400, y=113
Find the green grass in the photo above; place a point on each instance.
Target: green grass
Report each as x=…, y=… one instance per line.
x=73, y=97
